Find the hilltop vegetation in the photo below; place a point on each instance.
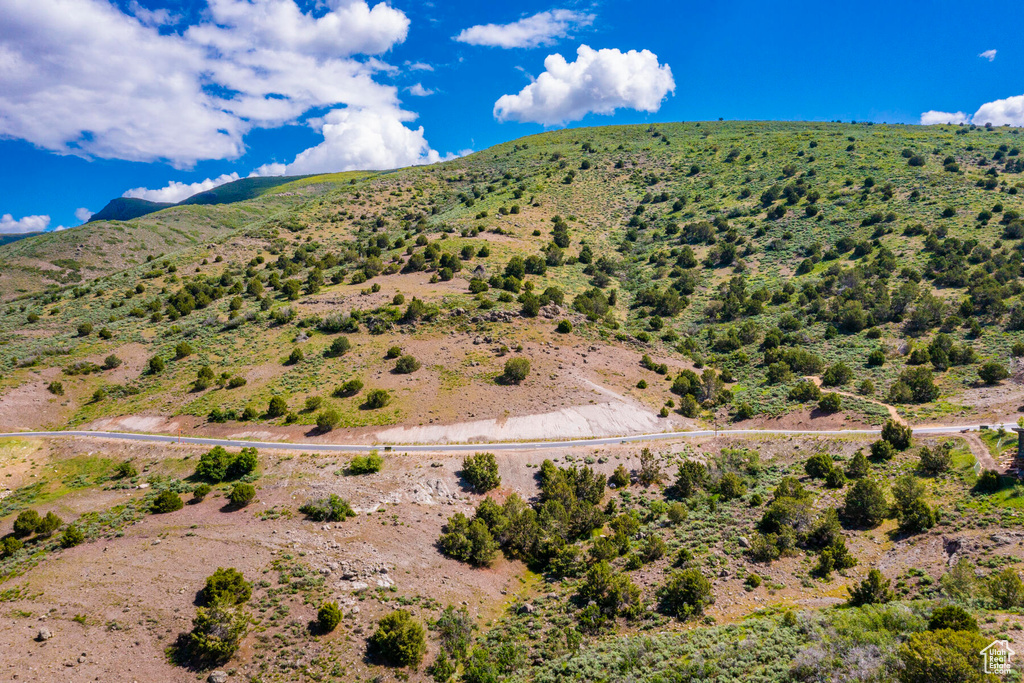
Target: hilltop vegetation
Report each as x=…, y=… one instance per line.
x=730, y=259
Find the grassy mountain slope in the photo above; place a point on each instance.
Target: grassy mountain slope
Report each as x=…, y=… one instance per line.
x=7, y=239
x=828, y=236
x=135, y=230
x=127, y=208
x=654, y=277
x=239, y=190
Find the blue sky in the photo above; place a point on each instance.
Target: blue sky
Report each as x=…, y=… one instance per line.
x=100, y=98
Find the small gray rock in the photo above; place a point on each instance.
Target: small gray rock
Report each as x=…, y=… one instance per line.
x=44, y=634
x=744, y=542
x=218, y=677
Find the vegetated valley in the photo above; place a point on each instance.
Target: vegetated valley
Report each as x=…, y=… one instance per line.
x=601, y=282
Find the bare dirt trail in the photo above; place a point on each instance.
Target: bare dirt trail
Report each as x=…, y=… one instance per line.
x=892, y=411
x=981, y=452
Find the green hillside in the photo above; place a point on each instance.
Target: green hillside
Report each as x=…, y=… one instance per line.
x=239, y=190
x=127, y=208
x=589, y=282
x=765, y=251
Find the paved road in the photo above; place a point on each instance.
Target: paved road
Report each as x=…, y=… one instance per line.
x=503, y=446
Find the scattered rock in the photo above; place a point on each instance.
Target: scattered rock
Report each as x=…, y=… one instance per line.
x=44, y=634
x=744, y=542
x=217, y=677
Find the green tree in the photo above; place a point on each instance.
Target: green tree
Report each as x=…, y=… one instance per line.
x=936, y=460
x=914, y=514
x=952, y=617
x=865, y=504
x=731, y=486
x=620, y=477
x=943, y=656
x=481, y=472
x=366, y=464
x=915, y=385
x=226, y=586
x=213, y=465
x=690, y=476
x=992, y=372
x=442, y=669
x=483, y=547
x=882, y=450
x=327, y=420
x=277, y=407
x=455, y=630
x=217, y=631
x=1006, y=588
x=407, y=365
x=875, y=589
x=899, y=435
x=859, y=466
x=818, y=465
x=333, y=508
x=125, y=470
x=377, y=398
x=830, y=402
x=961, y=583
x=686, y=593
x=10, y=545
x=837, y=375
x=516, y=370
x=48, y=524
x=338, y=347
x=166, y=501
x=649, y=472
x=71, y=537
x=241, y=494
x=243, y=463
x=328, y=617
x=26, y=523
x=989, y=481
x=399, y=640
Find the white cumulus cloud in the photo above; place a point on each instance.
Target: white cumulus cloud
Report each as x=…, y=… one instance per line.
x=599, y=81
x=419, y=91
x=358, y=139
x=543, y=28
x=1008, y=111
x=152, y=17
x=931, y=118
x=9, y=226
x=82, y=77
x=175, y=191
x=988, y=54
x=83, y=214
